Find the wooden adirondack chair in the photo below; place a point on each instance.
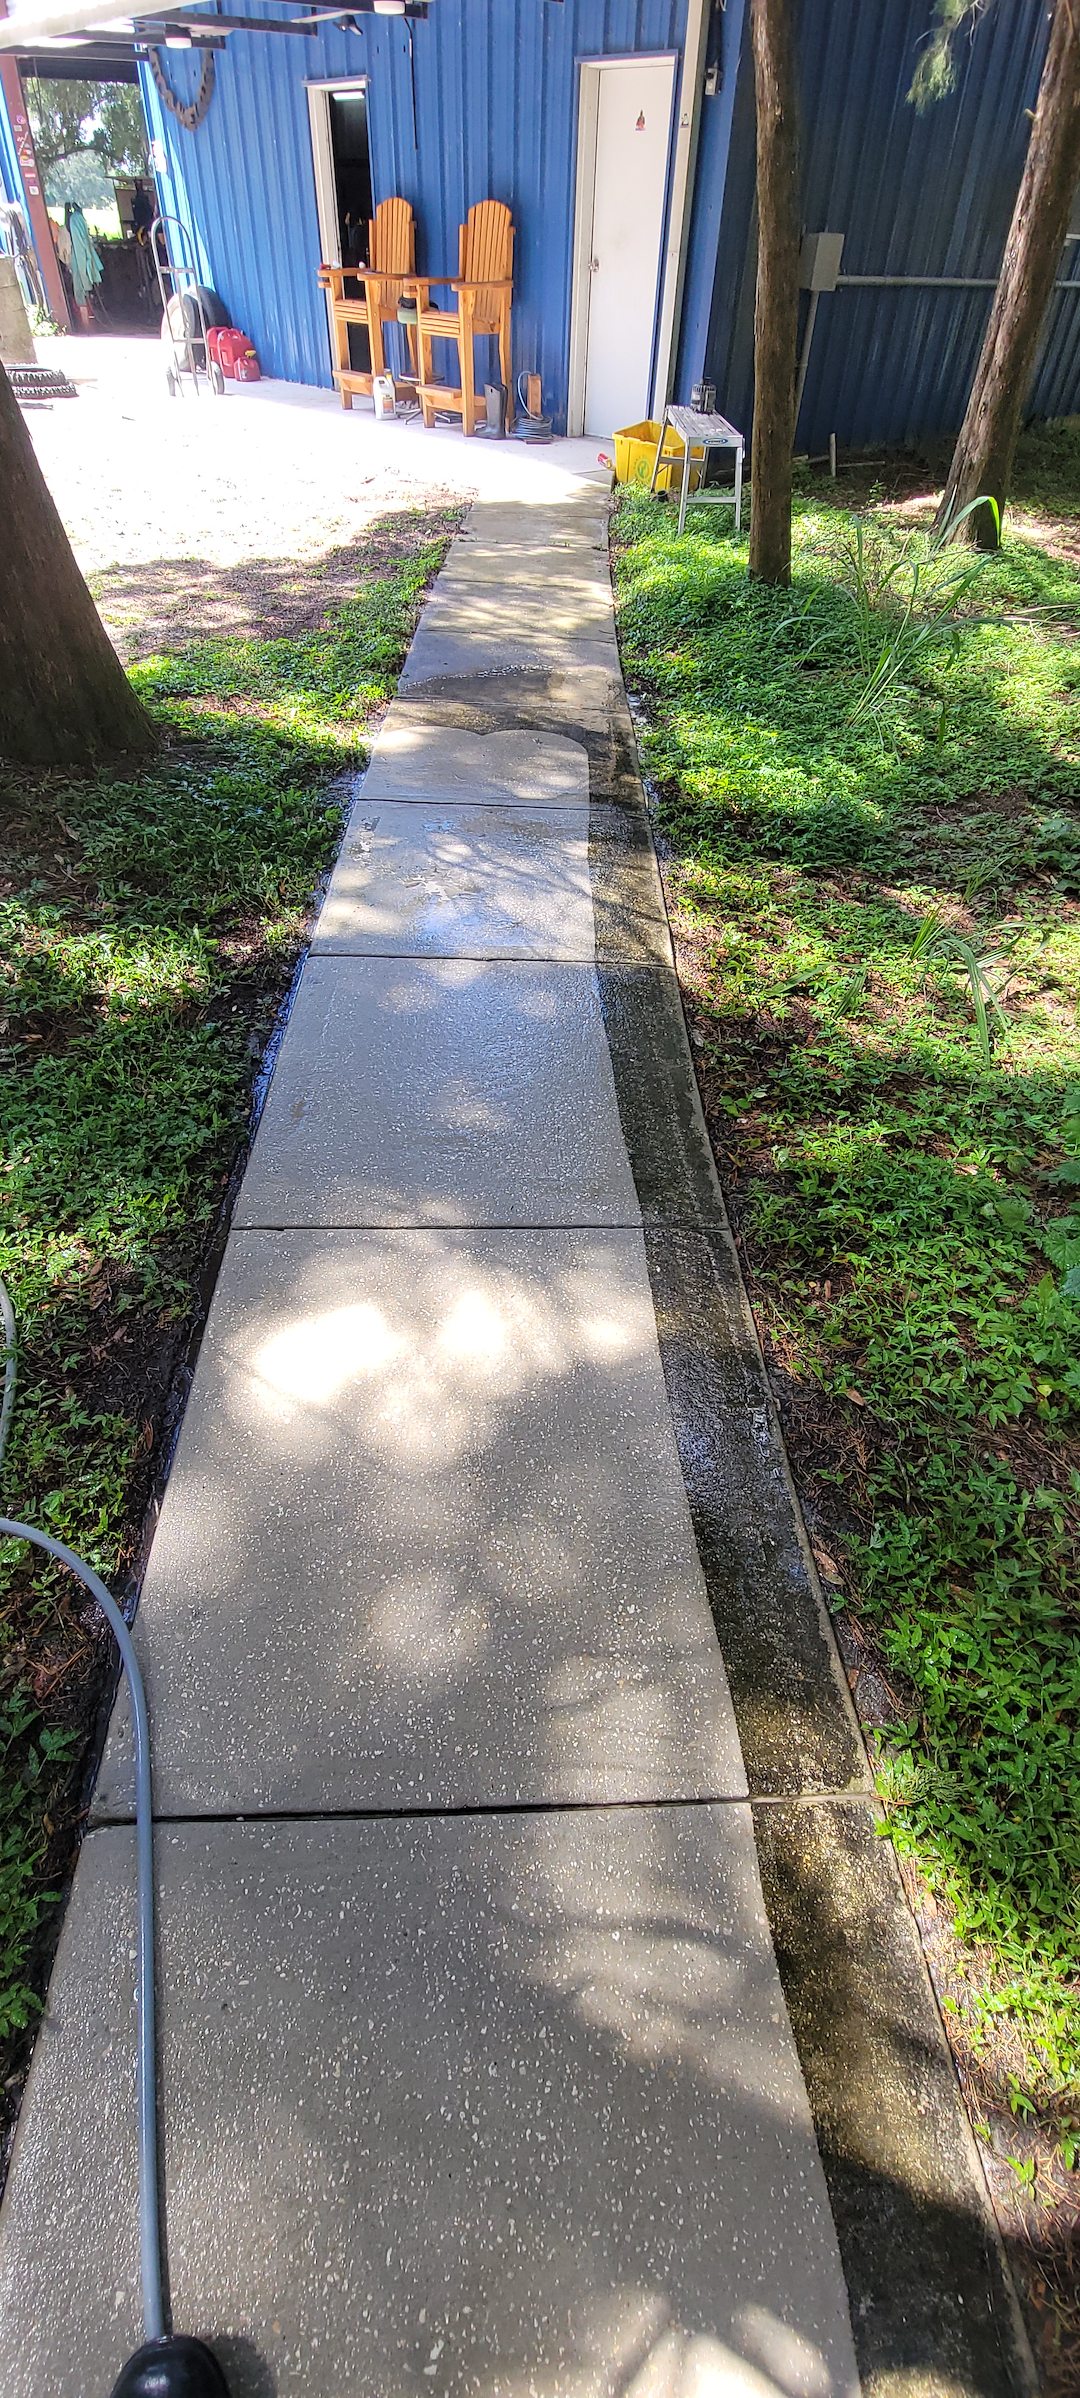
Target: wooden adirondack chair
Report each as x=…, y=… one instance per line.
x=371, y=295
x=483, y=286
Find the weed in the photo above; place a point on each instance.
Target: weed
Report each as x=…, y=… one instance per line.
x=935, y=939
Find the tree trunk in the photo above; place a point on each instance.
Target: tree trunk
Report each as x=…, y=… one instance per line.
x=64, y=696
x=986, y=444
x=776, y=312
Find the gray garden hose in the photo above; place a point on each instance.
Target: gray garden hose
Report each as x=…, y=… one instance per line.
x=167, y=2362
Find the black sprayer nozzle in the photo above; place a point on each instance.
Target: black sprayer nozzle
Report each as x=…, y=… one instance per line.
x=174, y=2367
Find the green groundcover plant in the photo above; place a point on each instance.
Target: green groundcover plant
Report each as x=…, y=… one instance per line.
x=869, y=787
x=148, y=928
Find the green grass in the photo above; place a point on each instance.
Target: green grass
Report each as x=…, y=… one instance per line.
x=148, y=927
x=901, y=1183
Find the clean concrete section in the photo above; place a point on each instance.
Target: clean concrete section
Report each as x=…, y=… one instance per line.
x=481, y=882
x=426, y=1520
x=496, y=2104
x=571, y=578
x=482, y=2106
x=444, y=1091
x=416, y=760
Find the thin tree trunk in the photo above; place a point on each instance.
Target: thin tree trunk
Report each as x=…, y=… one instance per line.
x=776, y=312
x=986, y=444
x=64, y=696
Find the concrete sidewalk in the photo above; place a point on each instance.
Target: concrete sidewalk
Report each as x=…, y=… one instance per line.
x=477, y=2073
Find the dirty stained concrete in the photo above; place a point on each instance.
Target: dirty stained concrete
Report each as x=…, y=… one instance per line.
x=503, y=1749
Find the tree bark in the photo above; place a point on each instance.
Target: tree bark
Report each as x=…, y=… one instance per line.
x=776, y=311
x=986, y=444
x=64, y=697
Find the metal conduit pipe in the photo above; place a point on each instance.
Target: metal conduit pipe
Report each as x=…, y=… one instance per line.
x=820, y=271
x=927, y=283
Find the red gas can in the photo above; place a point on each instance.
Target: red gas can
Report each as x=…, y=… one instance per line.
x=237, y=354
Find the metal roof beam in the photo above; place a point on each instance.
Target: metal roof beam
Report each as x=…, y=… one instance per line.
x=50, y=22
x=194, y=20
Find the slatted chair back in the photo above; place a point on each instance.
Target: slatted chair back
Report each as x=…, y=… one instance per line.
x=486, y=247
x=392, y=249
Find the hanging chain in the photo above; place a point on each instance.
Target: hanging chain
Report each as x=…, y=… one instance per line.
x=188, y=113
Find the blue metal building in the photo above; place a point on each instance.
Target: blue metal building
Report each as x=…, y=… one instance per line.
x=480, y=98
x=923, y=201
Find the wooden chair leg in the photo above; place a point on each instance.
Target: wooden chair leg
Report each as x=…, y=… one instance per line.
x=375, y=339
x=341, y=354
x=426, y=373
x=506, y=370
x=467, y=367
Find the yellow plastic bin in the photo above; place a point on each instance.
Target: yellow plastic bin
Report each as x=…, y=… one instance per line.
x=635, y=449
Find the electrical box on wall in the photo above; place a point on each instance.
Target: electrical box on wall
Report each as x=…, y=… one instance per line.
x=819, y=261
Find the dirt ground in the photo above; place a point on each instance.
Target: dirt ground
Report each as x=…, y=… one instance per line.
x=205, y=515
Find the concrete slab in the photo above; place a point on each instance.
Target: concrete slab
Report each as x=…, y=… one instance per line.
x=486, y=592
x=797, y=1724
x=576, y=696
x=441, y=1091
x=577, y=521
x=629, y=917
x=461, y=881
x=579, y=569
x=425, y=1540
x=504, y=631
x=415, y=758
x=659, y=1106
x=482, y=2106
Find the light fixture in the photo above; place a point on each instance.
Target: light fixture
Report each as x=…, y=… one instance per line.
x=175, y=40
x=389, y=8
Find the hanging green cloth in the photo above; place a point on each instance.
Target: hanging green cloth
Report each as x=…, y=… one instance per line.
x=85, y=263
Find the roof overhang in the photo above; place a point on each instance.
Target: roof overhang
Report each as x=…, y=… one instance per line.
x=71, y=25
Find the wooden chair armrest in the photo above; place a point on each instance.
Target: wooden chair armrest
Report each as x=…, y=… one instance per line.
x=333, y=278
x=484, y=283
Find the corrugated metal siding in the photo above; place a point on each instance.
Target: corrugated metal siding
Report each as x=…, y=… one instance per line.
x=496, y=115
x=913, y=194
x=1056, y=389
x=11, y=186
x=714, y=157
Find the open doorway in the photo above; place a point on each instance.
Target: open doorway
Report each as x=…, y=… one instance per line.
x=92, y=153
x=341, y=152
x=352, y=172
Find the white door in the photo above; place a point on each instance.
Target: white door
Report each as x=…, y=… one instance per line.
x=620, y=235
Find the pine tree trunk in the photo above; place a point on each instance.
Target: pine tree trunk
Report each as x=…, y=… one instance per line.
x=64, y=697
x=986, y=444
x=776, y=312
